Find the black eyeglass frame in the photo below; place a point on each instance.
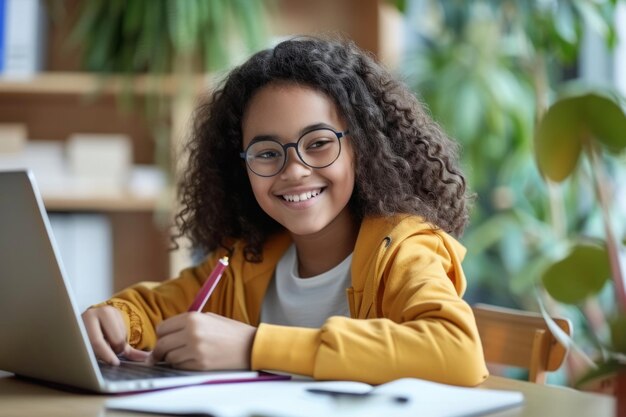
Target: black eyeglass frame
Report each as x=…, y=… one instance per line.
x=244, y=155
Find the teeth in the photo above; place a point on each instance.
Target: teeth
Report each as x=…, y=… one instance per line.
x=301, y=197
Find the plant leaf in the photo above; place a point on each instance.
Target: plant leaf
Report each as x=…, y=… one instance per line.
x=606, y=120
x=558, y=142
x=565, y=22
x=604, y=369
x=570, y=121
x=583, y=272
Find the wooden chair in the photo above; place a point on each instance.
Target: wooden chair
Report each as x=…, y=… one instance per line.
x=521, y=339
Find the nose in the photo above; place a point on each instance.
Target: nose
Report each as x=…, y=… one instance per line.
x=294, y=167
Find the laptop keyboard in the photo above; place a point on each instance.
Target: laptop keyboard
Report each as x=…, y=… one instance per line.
x=128, y=371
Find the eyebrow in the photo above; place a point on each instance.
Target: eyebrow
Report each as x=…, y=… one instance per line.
x=304, y=130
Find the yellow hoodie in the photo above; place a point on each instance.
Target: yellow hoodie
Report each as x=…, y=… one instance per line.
x=407, y=281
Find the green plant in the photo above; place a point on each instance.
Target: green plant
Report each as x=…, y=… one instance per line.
x=487, y=69
x=155, y=39
x=120, y=36
x=579, y=133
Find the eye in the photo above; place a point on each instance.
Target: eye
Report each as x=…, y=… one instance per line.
x=318, y=143
x=267, y=155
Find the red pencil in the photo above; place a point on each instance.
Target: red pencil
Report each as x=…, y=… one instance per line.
x=209, y=285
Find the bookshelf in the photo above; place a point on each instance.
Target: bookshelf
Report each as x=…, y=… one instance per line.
x=124, y=203
x=54, y=105
x=83, y=83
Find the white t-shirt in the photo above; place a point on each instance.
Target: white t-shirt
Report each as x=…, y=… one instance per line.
x=305, y=302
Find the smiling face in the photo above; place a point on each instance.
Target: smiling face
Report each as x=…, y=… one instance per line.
x=305, y=200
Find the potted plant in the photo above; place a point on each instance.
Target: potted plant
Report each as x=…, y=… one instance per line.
x=170, y=44
x=159, y=36
x=576, y=137
x=500, y=62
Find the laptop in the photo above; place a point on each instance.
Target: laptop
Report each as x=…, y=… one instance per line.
x=42, y=335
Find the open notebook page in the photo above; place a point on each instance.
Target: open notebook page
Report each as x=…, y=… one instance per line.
x=292, y=399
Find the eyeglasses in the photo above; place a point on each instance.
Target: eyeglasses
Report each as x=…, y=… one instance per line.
x=317, y=148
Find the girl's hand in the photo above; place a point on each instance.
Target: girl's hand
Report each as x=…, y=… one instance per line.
x=197, y=341
x=107, y=334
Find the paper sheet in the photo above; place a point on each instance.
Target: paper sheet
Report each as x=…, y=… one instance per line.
x=291, y=399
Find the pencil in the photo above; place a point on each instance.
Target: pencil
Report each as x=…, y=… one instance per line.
x=209, y=285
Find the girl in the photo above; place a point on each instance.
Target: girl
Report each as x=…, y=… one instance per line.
x=335, y=197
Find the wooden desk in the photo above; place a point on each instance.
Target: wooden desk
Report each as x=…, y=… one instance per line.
x=19, y=398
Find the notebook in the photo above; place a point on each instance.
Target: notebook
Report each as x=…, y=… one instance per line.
x=408, y=397
x=42, y=333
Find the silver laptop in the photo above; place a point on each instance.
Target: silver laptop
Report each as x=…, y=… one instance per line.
x=41, y=332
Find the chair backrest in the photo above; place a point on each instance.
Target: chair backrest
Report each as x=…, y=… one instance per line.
x=520, y=338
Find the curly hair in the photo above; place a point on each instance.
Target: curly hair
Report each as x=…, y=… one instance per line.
x=405, y=164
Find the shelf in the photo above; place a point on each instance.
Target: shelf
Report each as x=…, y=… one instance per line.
x=121, y=203
x=88, y=83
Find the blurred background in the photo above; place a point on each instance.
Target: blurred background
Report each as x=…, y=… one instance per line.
x=96, y=98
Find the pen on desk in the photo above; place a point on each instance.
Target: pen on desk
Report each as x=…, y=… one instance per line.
x=209, y=285
x=399, y=399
